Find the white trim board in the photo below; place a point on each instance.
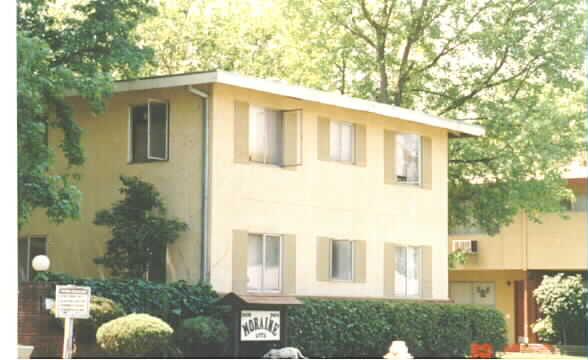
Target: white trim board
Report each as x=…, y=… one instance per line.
x=283, y=89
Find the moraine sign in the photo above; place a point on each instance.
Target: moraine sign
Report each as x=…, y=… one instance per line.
x=260, y=325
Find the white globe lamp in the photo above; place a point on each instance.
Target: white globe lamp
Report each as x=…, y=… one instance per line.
x=41, y=263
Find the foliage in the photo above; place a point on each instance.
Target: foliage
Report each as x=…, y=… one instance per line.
x=545, y=331
x=171, y=302
x=102, y=310
x=457, y=257
x=563, y=304
x=202, y=335
x=140, y=229
x=483, y=62
x=366, y=328
x=79, y=48
x=134, y=335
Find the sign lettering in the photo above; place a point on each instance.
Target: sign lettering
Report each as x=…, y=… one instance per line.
x=72, y=301
x=260, y=325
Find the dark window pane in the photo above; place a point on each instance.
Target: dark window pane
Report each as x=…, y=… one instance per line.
x=38, y=247
x=22, y=259
x=157, y=130
x=139, y=133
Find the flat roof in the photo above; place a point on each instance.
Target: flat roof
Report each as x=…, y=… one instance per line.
x=302, y=93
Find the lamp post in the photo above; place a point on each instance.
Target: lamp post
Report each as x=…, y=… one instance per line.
x=40, y=264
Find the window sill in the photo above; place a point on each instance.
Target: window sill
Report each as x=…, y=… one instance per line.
x=408, y=185
x=146, y=162
x=347, y=163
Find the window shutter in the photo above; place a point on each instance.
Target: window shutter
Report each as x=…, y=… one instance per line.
x=323, y=139
x=389, y=269
x=292, y=127
x=427, y=166
x=359, y=261
x=360, y=145
x=240, y=251
x=289, y=264
x=427, y=271
x=157, y=127
x=389, y=157
x=241, y=132
x=323, y=258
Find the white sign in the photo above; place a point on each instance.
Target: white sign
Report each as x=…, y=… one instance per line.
x=72, y=301
x=260, y=325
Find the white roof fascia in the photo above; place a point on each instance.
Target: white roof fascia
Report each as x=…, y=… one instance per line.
x=278, y=88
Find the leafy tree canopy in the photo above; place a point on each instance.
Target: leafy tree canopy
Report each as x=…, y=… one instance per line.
x=81, y=47
x=515, y=68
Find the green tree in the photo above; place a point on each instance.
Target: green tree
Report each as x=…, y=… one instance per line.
x=81, y=47
x=140, y=230
x=564, y=308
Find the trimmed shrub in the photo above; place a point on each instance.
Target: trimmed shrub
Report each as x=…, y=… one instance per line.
x=203, y=335
x=102, y=310
x=171, y=302
x=345, y=328
x=134, y=335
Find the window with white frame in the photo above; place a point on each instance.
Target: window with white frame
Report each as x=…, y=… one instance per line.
x=341, y=260
x=342, y=141
x=28, y=248
x=408, y=158
x=407, y=272
x=149, y=126
x=265, y=135
x=264, y=262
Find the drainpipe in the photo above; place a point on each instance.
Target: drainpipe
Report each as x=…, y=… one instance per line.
x=204, y=273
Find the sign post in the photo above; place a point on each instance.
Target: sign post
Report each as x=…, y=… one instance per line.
x=71, y=302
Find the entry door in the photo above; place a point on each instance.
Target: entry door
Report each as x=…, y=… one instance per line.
x=519, y=300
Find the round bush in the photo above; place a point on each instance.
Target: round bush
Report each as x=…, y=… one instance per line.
x=102, y=310
x=202, y=332
x=134, y=335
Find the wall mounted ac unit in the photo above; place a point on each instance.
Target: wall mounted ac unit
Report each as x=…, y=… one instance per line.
x=470, y=246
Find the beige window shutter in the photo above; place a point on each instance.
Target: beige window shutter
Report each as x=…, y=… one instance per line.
x=427, y=271
x=323, y=138
x=360, y=145
x=389, y=157
x=289, y=265
x=389, y=269
x=241, y=132
x=323, y=258
x=359, y=261
x=427, y=165
x=239, y=259
x=292, y=154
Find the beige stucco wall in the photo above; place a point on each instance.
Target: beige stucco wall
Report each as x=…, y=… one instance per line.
x=505, y=289
x=322, y=198
x=555, y=244
x=73, y=245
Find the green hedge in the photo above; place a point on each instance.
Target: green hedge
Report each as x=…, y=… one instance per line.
x=170, y=302
x=345, y=328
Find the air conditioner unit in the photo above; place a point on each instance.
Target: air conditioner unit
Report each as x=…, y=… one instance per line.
x=469, y=246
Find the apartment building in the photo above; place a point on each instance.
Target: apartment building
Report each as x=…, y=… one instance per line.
x=286, y=190
x=504, y=269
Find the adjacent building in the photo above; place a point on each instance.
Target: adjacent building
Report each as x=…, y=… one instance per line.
x=286, y=190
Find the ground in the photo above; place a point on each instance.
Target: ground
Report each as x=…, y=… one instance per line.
x=518, y=355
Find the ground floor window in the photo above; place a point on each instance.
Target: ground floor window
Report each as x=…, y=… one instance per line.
x=264, y=262
x=473, y=292
x=341, y=259
x=28, y=248
x=407, y=272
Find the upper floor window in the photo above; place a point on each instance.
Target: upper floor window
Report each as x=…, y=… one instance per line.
x=342, y=141
x=28, y=248
x=266, y=140
x=264, y=262
x=407, y=272
x=149, y=126
x=408, y=158
x=341, y=260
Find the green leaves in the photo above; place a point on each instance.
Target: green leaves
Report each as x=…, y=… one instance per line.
x=140, y=231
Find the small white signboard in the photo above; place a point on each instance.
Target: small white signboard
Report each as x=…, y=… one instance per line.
x=260, y=325
x=72, y=301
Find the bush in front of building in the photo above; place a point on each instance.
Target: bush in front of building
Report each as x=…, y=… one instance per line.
x=365, y=328
x=202, y=335
x=171, y=302
x=563, y=304
x=135, y=335
x=102, y=310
